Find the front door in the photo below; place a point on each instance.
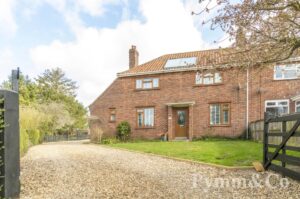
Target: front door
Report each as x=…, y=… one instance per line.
x=181, y=122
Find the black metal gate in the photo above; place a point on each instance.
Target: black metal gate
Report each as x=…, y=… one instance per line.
x=283, y=156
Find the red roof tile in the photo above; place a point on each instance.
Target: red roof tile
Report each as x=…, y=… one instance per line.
x=205, y=58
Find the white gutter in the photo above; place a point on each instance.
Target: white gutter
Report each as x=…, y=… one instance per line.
x=174, y=70
x=157, y=72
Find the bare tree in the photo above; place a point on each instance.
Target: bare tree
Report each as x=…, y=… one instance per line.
x=265, y=31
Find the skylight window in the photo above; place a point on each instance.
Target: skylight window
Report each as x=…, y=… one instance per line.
x=181, y=62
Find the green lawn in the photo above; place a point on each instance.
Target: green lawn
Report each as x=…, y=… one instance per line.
x=222, y=152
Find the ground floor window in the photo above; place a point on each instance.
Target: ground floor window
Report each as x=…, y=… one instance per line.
x=112, y=117
x=297, y=106
x=219, y=114
x=277, y=107
x=145, y=117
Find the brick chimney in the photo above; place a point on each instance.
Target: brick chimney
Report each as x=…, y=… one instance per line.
x=133, y=57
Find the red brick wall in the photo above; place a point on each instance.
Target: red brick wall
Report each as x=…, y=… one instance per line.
x=263, y=87
x=180, y=87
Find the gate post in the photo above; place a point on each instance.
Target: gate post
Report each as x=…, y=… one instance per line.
x=283, y=136
x=265, y=138
x=10, y=145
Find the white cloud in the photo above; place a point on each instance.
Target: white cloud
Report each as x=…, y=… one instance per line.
x=71, y=9
x=6, y=62
x=96, y=55
x=95, y=7
x=8, y=25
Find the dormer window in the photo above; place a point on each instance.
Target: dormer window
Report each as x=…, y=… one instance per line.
x=208, y=78
x=147, y=83
x=289, y=71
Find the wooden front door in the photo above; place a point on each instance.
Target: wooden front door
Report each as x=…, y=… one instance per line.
x=181, y=122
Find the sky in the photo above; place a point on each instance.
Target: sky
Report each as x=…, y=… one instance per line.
x=89, y=39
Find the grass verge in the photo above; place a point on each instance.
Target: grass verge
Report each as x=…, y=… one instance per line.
x=221, y=152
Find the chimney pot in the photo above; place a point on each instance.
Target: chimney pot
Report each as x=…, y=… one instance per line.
x=133, y=57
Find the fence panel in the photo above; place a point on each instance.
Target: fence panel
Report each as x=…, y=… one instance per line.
x=257, y=132
x=66, y=137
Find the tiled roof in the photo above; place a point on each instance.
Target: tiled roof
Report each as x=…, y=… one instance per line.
x=205, y=59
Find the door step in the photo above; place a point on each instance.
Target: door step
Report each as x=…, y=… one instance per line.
x=181, y=139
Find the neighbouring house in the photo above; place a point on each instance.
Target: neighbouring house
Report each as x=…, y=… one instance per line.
x=194, y=94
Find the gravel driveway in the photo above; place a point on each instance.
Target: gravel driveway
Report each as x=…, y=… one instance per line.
x=78, y=170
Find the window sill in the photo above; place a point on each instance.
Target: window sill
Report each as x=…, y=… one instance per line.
x=144, y=128
x=205, y=85
x=146, y=89
x=220, y=125
x=275, y=80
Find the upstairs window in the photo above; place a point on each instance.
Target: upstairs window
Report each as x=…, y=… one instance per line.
x=219, y=114
x=297, y=106
x=112, y=117
x=181, y=62
x=148, y=83
x=290, y=71
x=145, y=117
x=277, y=107
x=208, y=78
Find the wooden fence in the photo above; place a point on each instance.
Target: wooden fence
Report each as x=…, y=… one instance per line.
x=257, y=132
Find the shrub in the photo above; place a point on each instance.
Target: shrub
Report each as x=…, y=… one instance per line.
x=123, y=130
x=24, y=141
x=110, y=141
x=41, y=136
x=34, y=136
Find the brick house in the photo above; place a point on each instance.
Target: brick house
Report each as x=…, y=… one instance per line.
x=194, y=94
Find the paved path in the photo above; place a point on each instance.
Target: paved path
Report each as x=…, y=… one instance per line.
x=78, y=170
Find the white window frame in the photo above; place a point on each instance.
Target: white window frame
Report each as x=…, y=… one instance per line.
x=149, y=80
x=200, y=78
x=297, y=104
x=297, y=66
x=150, y=119
x=221, y=114
x=276, y=105
x=112, y=114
